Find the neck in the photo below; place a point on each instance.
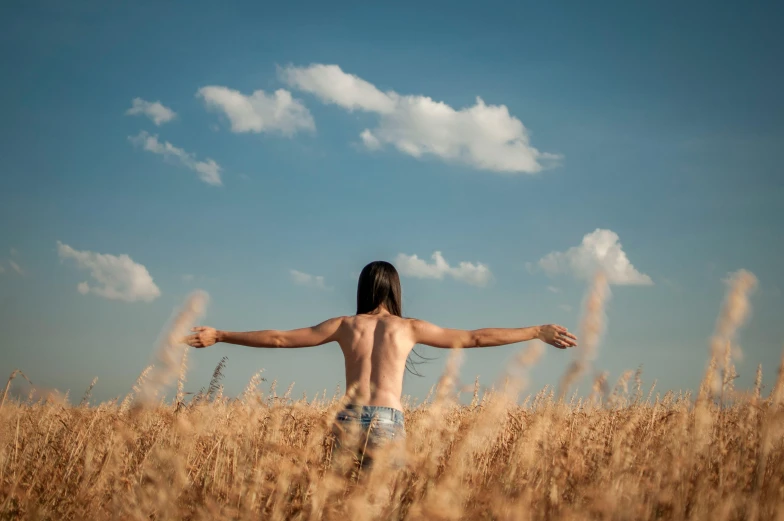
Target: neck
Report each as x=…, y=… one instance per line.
x=380, y=310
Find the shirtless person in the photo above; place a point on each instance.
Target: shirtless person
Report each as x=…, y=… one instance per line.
x=376, y=343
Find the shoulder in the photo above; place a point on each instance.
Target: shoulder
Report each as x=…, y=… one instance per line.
x=332, y=323
x=415, y=324
x=340, y=320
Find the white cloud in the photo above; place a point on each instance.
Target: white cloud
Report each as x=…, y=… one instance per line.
x=483, y=136
x=259, y=112
x=117, y=277
x=412, y=266
x=209, y=171
x=553, y=289
x=370, y=141
x=16, y=267
x=305, y=279
x=332, y=85
x=600, y=249
x=158, y=113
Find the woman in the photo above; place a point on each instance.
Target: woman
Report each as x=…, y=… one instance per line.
x=376, y=343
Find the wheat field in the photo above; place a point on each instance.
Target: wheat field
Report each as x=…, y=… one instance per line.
x=624, y=451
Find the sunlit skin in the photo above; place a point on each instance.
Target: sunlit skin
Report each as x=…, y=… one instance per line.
x=376, y=345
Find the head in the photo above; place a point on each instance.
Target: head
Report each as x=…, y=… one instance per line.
x=379, y=285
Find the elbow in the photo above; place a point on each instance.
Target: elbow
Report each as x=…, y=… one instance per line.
x=474, y=340
x=277, y=340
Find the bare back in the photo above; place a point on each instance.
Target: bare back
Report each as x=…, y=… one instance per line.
x=375, y=348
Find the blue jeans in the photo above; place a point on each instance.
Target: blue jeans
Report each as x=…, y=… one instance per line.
x=371, y=426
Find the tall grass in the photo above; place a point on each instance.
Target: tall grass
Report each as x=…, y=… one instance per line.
x=616, y=454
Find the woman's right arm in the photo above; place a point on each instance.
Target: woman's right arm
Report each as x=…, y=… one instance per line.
x=432, y=335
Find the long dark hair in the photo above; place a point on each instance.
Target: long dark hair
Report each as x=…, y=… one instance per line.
x=379, y=284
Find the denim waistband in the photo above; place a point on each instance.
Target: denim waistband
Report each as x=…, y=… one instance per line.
x=376, y=411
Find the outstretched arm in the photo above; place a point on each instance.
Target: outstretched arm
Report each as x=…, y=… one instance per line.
x=432, y=335
x=306, y=337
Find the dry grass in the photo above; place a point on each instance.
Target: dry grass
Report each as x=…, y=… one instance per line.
x=622, y=454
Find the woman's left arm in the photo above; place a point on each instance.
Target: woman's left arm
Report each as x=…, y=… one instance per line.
x=317, y=335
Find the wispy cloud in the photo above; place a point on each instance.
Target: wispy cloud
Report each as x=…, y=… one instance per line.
x=16, y=267
x=259, y=112
x=306, y=279
x=412, y=266
x=600, y=249
x=553, y=289
x=486, y=137
x=118, y=277
x=158, y=113
x=13, y=264
x=208, y=170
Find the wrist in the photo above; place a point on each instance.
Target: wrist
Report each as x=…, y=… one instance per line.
x=538, y=332
x=220, y=336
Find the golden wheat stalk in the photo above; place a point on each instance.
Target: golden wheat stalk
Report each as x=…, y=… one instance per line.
x=170, y=353
x=591, y=329
x=14, y=374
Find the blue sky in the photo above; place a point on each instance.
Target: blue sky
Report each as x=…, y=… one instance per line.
x=660, y=126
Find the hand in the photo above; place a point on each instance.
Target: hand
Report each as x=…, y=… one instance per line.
x=557, y=336
x=203, y=337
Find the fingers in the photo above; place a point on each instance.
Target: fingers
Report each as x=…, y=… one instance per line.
x=563, y=330
x=564, y=333
x=198, y=328
x=564, y=340
x=193, y=340
x=568, y=340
